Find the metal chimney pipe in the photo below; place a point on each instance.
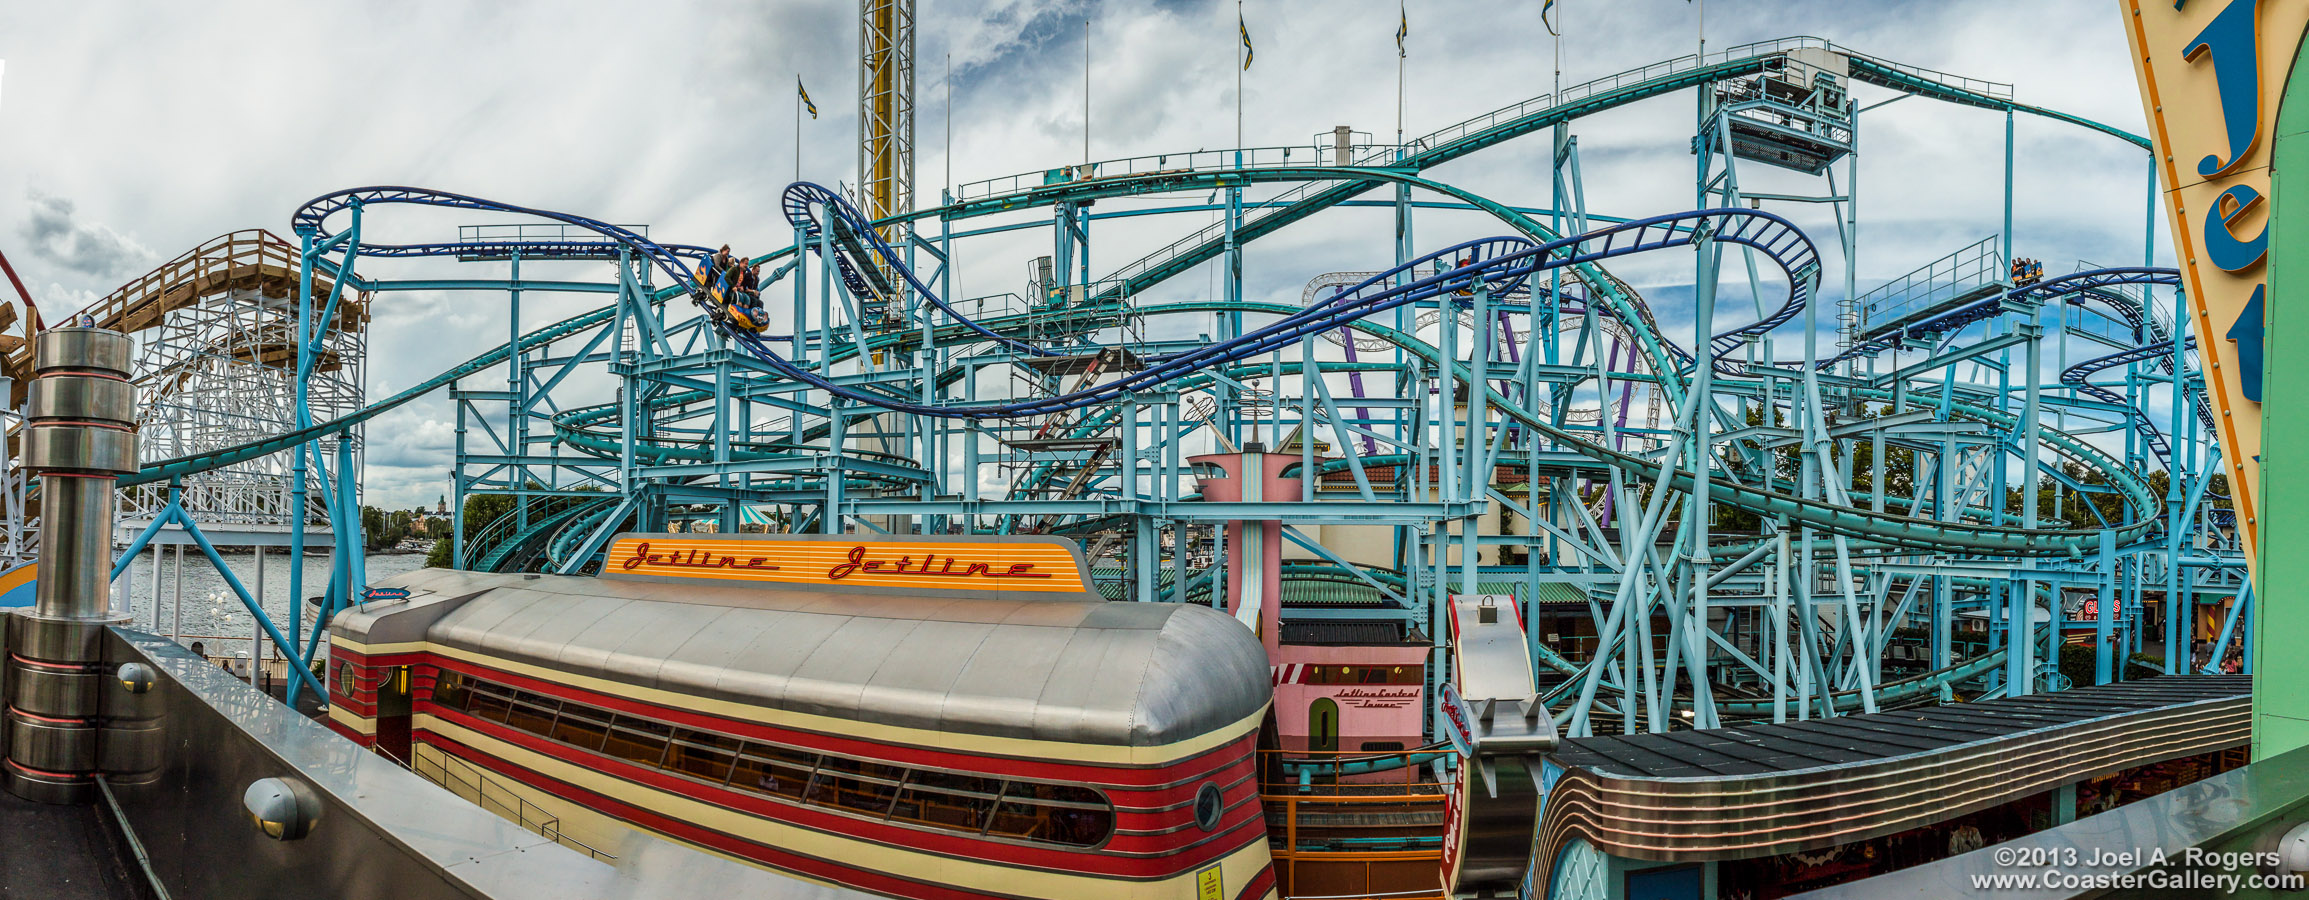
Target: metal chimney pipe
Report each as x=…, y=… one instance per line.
x=79, y=437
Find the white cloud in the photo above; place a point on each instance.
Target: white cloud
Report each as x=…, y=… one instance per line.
x=56, y=234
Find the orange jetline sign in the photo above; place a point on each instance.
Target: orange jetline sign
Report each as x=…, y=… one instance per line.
x=2211, y=72
x=913, y=565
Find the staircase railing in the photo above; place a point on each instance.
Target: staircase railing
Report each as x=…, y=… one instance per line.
x=472, y=785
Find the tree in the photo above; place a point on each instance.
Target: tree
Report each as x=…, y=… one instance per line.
x=1899, y=465
x=383, y=529
x=481, y=511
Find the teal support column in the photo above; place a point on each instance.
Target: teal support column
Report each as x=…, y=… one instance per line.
x=2104, y=620
x=2280, y=702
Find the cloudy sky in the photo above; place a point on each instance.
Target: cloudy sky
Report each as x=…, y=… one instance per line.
x=130, y=133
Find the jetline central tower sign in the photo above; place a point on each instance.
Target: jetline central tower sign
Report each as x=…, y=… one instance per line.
x=2211, y=72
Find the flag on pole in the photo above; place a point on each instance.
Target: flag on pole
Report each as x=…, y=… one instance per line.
x=1544, y=9
x=1246, y=31
x=805, y=92
x=1403, y=29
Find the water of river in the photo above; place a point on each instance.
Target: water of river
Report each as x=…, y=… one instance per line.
x=211, y=613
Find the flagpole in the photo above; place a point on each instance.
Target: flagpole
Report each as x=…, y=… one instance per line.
x=797, y=127
x=949, y=128
x=1240, y=29
x=1404, y=17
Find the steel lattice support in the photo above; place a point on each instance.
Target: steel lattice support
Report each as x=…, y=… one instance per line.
x=1699, y=530
x=886, y=107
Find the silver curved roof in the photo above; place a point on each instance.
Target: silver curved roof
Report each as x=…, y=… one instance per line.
x=1115, y=673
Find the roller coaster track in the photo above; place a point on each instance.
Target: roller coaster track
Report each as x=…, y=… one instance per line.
x=1540, y=113
x=565, y=541
x=494, y=558
x=1501, y=263
x=855, y=239
x=1498, y=265
x=2154, y=350
x=1322, y=187
x=1612, y=291
x=251, y=259
x=1886, y=528
x=2078, y=376
x=870, y=270
x=311, y=220
x=166, y=469
x=1891, y=531
x=2075, y=286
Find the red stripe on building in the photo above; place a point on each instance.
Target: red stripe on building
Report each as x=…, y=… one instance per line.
x=1088, y=862
x=808, y=866
x=1121, y=776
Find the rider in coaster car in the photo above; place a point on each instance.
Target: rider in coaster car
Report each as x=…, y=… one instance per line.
x=2026, y=271
x=746, y=307
x=714, y=276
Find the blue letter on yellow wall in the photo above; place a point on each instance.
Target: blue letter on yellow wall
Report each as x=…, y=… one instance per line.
x=2231, y=254
x=2247, y=331
x=2232, y=40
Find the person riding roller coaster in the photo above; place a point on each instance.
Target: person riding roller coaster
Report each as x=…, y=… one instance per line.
x=732, y=289
x=713, y=277
x=746, y=299
x=2025, y=272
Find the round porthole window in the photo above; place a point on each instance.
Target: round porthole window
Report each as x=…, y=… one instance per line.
x=1208, y=806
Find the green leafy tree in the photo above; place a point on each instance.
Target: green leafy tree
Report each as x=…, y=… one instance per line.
x=383, y=529
x=481, y=511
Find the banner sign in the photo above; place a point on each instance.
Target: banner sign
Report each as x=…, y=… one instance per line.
x=2211, y=72
x=1456, y=720
x=1041, y=565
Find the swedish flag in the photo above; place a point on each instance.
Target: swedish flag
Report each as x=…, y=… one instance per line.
x=805, y=92
x=1246, y=31
x=1403, y=30
x=1544, y=9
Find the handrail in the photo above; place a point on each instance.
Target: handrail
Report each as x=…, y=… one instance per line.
x=1408, y=154
x=494, y=233
x=250, y=250
x=546, y=825
x=1973, y=266
x=1614, y=81
x=1983, y=87
x=1227, y=159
